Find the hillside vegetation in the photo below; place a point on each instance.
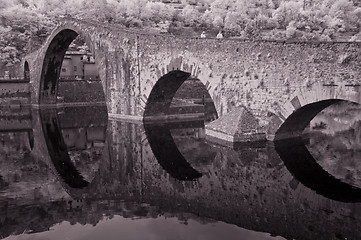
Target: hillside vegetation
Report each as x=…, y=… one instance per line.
x=24, y=24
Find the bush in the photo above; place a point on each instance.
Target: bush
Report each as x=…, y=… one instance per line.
x=132, y=22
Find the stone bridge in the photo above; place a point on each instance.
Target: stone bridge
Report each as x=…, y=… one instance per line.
x=260, y=89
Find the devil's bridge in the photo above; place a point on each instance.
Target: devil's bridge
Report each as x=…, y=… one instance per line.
x=260, y=89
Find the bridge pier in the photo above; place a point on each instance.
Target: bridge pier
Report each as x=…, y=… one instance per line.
x=236, y=127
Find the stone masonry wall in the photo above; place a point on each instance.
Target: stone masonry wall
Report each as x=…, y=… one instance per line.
x=14, y=93
x=80, y=91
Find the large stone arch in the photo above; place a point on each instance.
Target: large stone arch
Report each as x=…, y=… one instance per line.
x=51, y=57
x=52, y=65
x=303, y=105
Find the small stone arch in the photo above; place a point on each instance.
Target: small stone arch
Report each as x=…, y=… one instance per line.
x=162, y=93
x=165, y=89
x=169, y=78
x=26, y=71
x=296, y=113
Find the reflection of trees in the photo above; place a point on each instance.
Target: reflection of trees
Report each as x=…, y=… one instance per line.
x=18, y=219
x=339, y=154
x=168, y=154
x=20, y=169
x=193, y=147
x=338, y=117
x=304, y=167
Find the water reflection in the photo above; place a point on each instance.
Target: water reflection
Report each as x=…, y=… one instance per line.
x=305, y=168
x=166, y=151
x=58, y=150
x=335, y=141
x=75, y=140
x=252, y=192
x=120, y=220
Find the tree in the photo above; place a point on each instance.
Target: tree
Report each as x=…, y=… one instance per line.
x=9, y=55
x=6, y=4
x=190, y=15
x=156, y=12
x=287, y=12
x=136, y=8
x=96, y=10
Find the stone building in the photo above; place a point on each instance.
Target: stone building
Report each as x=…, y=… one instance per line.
x=78, y=65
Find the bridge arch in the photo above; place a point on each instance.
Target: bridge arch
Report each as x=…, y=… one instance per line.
x=54, y=52
x=166, y=88
x=297, y=112
x=169, y=79
x=26, y=71
x=162, y=93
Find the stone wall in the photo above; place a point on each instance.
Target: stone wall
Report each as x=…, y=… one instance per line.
x=79, y=91
x=14, y=93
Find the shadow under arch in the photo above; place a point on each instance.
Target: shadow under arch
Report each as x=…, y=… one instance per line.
x=58, y=150
x=26, y=71
x=31, y=139
x=163, y=92
x=52, y=65
x=302, y=165
x=295, y=124
x=167, y=153
x=56, y=48
x=166, y=88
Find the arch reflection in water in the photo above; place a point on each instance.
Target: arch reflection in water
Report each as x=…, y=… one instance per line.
x=78, y=121
x=248, y=187
x=166, y=151
x=31, y=139
x=300, y=119
x=305, y=169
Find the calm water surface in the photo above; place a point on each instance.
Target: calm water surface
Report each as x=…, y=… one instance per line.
x=73, y=174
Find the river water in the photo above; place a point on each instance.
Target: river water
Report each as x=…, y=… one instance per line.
x=73, y=173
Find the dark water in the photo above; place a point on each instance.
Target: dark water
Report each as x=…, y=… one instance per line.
x=73, y=174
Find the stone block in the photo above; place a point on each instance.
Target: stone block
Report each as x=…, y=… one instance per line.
x=237, y=126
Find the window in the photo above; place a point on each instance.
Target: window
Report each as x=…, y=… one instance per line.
x=63, y=69
x=75, y=68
